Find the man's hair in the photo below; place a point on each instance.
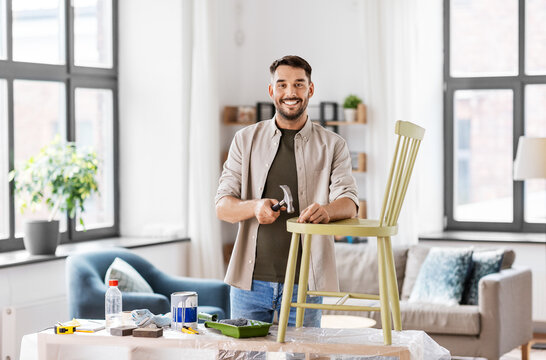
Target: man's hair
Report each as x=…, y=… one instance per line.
x=293, y=61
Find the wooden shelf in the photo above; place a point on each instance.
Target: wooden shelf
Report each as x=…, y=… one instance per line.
x=336, y=123
x=239, y=123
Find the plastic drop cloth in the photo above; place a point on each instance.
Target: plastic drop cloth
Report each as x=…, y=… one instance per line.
x=210, y=344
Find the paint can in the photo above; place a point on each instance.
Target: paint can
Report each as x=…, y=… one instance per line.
x=184, y=310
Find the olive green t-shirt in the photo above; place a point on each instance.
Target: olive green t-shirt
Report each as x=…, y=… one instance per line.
x=273, y=241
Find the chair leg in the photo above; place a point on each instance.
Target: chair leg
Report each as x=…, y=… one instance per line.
x=304, y=276
x=392, y=284
x=383, y=292
x=525, y=351
x=288, y=286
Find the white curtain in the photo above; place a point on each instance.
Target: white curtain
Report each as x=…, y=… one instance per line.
x=404, y=82
x=201, y=134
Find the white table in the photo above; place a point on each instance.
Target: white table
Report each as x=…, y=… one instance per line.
x=211, y=344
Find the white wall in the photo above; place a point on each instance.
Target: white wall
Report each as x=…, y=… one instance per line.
x=325, y=33
x=33, y=296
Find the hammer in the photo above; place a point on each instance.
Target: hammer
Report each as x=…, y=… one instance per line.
x=287, y=200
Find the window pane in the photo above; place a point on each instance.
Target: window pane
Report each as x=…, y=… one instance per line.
x=38, y=31
x=95, y=129
x=39, y=112
x=3, y=24
x=93, y=33
x=535, y=37
x=4, y=164
x=535, y=115
x=483, y=155
x=484, y=37
x=535, y=125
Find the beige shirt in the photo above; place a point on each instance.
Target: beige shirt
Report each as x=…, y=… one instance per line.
x=324, y=172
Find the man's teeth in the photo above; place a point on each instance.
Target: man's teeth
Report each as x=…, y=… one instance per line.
x=290, y=102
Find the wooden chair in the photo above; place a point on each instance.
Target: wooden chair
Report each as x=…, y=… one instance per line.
x=407, y=146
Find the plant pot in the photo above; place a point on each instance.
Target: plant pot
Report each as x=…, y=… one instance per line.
x=41, y=237
x=350, y=115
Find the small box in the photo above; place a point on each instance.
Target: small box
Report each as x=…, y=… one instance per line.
x=148, y=332
x=362, y=162
x=125, y=330
x=361, y=114
x=362, y=211
x=230, y=115
x=246, y=114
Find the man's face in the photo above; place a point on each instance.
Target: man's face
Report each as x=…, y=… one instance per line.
x=290, y=90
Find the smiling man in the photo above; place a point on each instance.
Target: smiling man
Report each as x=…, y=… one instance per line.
x=286, y=150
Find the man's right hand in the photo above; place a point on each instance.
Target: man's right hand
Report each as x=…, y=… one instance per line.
x=264, y=213
x=234, y=210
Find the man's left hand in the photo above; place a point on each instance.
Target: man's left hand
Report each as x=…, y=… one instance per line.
x=314, y=213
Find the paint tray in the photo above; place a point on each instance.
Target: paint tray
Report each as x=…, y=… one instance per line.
x=253, y=328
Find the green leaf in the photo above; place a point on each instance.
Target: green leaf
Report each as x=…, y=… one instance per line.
x=60, y=175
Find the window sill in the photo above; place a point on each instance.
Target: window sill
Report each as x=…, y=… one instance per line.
x=485, y=236
x=22, y=257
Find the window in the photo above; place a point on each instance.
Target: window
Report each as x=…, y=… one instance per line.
x=93, y=33
x=4, y=166
x=39, y=115
x=38, y=29
x=3, y=25
x=94, y=129
x=58, y=77
x=495, y=77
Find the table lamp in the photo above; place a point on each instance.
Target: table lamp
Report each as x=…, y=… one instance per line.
x=530, y=160
x=530, y=163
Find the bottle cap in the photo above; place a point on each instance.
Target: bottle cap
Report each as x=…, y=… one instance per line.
x=113, y=283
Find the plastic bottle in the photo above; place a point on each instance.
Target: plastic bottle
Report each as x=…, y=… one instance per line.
x=112, y=305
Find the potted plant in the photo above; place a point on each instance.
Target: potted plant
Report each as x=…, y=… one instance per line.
x=61, y=176
x=349, y=107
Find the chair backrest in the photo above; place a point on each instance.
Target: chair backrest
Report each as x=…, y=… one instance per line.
x=405, y=152
x=85, y=282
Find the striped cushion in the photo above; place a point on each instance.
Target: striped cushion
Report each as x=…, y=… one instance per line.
x=129, y=280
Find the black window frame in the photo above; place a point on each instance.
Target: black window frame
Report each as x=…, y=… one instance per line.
x=515, y=83
x=72, y=77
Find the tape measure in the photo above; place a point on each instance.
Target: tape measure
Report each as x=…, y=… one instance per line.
x=60, y=329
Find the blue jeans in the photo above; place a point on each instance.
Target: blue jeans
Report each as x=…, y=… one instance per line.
x=264, y=298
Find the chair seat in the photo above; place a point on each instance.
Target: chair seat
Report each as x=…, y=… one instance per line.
x=347, y=227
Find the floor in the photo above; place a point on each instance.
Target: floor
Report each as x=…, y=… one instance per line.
x=534, y=354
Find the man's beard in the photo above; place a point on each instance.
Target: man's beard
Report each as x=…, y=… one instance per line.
x=292, y=116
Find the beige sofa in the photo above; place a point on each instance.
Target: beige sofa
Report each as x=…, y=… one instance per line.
x=499, y=323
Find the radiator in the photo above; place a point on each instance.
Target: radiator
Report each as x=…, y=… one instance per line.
x=19, y=320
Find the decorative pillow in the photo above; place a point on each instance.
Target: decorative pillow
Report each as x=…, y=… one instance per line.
x=129, y=280
x=442, y=276
x=357, y=267
x=483, y=263
x=416, y=257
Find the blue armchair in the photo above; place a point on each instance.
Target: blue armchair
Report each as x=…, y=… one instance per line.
x=86, y=288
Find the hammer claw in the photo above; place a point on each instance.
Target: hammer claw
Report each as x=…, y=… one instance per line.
x=286, y=201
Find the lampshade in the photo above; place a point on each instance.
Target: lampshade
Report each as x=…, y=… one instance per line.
x=530, y=160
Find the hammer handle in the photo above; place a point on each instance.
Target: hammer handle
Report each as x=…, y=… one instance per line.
x=277, y=206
